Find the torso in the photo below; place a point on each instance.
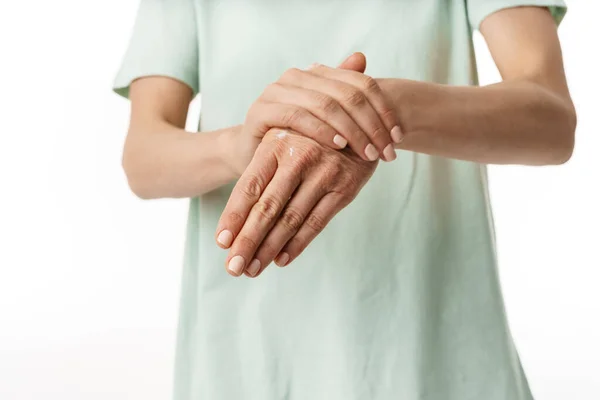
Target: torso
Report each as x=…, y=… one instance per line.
x=399, y=296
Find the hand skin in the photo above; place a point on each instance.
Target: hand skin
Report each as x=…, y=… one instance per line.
x=333, y=106
x=292, y=188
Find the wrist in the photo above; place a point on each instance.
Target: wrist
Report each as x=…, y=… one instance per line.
x=226, y=145
x=413, y=102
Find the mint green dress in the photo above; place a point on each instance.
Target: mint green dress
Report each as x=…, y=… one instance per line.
x=399, y=297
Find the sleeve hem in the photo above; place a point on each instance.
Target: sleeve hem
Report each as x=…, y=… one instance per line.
x=122, y=84
x=557, y=8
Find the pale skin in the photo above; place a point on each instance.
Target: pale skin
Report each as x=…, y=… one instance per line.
x=282, y=201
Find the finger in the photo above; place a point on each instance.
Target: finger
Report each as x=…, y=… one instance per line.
x=354, y=103
x=261, y=219
x=302, y=202
x=268, y=114
x=355, y=61
x=314, y=224
x=324, y=107
x=244, y=196
x=371, y=90
x=359, y=140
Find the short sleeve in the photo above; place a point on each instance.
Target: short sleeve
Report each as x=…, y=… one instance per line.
x=164, y=42
x=478, y=10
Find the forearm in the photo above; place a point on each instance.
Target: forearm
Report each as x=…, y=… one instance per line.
x=512, y=122
x=161, y=160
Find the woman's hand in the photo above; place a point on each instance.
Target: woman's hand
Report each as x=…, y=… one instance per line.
x=290, y=191
x=334, y=106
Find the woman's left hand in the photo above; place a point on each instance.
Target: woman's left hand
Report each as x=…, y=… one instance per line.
x=290, y=191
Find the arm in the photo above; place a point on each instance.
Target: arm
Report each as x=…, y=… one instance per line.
x=528, y=118
x=160, y=158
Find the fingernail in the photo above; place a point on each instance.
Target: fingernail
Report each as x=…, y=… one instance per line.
x=254, y=267
x=371, y=152
x=225, y=238
x=340, y=141
x=389, y=153
x=282, y=259
x=396, y=134
x=236, y=265
x=311, y=66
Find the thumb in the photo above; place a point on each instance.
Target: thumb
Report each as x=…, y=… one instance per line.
x=356, y=62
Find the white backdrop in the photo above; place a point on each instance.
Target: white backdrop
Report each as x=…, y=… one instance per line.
x=89, y=275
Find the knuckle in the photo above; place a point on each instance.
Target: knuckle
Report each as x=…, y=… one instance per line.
x=347, y=198
x=268, y=208
x=303, y=160
x=266, y=252
x=387, y=114
x=290, y=74
x=342, y=197
x=271, y=89
x=291, y=115
x=352, y=180
x=332, y=171
x=252, y=188
x=355, y=98
x=316, y=222
x=246, y=243
x=370, y=85
x=350, y=187
x=235, y=218
x=252, y=112
x=291, y=219
x=295, y=246
x=280, y=147
x=379, y=132
x=328, y=174
x=327, y=104
x=360, y=136
x=322, y=130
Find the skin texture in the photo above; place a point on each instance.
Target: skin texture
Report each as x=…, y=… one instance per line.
x=527, y=119
x=322, y=103
x=319, y=182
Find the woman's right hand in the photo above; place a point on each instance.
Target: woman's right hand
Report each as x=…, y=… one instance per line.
x=286, y=196
x=333, y=106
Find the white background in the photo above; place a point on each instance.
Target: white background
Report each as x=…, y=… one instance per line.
x=89, y=275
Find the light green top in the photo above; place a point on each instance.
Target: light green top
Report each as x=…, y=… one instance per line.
x=399, y=297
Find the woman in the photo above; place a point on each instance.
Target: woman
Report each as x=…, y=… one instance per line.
x=397, y=297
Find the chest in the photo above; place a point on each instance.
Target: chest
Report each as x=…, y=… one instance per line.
x=245, y=45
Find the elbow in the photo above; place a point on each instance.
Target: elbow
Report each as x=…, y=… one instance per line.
x=565, y=153
x=140, y=189
x=139, y=176
x=136, y=180
x=566, y=127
